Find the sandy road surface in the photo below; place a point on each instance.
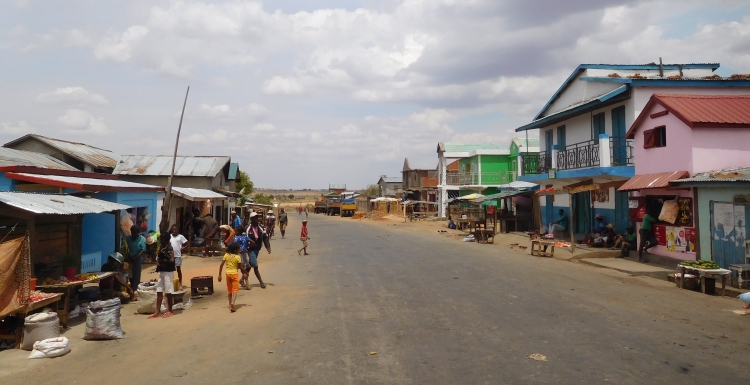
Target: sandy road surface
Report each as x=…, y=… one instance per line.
x=435, y=310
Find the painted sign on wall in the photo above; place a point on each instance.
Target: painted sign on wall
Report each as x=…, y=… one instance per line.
x=600, y=195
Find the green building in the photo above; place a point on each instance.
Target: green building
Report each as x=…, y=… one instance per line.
x=484, y=170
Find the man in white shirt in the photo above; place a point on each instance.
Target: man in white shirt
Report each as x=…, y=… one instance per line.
x=179, y=244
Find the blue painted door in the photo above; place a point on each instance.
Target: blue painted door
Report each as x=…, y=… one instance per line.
x=619, y=144
x=561, y=143
x=728, y=233
x=598, y=127
x=622, y=217
x=582, y=212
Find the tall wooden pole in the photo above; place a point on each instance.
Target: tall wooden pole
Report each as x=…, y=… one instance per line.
x=167, y=206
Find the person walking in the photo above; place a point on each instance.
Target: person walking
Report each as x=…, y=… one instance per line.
x=283, y=220
x=270, y=223
x=304, y=237
x=242, y=239
x=236, y=220
x=257, y=239
x=165, y=266
x=648, y=240
x=210, y=234
x=179, y=244
x=233, y=262
x=136, y=249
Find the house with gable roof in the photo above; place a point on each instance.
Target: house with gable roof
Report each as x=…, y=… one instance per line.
x=81, y=156
x=585, y=154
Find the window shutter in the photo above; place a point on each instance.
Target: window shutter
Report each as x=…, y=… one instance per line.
x=649, y=138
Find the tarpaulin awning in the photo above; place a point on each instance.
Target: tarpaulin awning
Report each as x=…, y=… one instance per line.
x=15, y=271
x=658, y=180
x=580, y=187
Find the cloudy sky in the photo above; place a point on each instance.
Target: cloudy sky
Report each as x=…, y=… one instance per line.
x=303, y=93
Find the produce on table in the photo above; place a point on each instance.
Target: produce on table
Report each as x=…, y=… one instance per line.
x=37, y=295
x=707, y=265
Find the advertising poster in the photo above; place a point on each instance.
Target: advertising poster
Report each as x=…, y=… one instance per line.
x=600, y=195
x=723, y=220
x=660, y=232
x=676, y=240
x=690, y=237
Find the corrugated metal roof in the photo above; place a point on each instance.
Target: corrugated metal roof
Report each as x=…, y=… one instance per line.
x=161, y=165
x=459, y=147
x=91, y=155
x=531, y=142
x=657, y=180
x=391, y=179
x=714, y=109
x=741, y=174
x=193, y=194
x=11, y=157
x=88, y=184
x=58, y=204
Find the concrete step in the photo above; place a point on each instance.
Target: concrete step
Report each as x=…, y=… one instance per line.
x=630, y=267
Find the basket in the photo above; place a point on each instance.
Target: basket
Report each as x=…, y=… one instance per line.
x=691, y=283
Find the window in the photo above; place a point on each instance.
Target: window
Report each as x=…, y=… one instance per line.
x=561, y=137
x=598, y=126
x=655, y=137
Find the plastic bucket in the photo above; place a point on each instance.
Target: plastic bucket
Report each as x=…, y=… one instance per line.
x=32, y=284
x=69, y=273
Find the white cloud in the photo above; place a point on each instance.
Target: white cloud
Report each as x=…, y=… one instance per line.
x=81, y=122
x=227, y=114
x=21, y=128
x=119, y=47
x=72, y=95
x=264, y=127
x=282, y=86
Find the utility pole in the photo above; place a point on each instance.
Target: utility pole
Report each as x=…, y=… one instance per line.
x=166, y=207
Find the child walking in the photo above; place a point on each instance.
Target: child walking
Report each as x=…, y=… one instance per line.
x=233, y=261
x=304, y=238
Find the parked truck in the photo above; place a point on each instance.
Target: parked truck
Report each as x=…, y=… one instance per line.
x=348, y=205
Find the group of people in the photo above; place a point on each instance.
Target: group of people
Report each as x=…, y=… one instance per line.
x=605, y=235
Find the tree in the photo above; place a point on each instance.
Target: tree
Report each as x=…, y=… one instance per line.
x=245, y=187
x=262, y=199
x=372, y=190
x=291, y=196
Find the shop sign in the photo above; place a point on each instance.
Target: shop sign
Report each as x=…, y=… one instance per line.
x=660, y=232
x=552, y=173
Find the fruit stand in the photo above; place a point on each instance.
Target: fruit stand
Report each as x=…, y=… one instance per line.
x=704, y=269
x=66, y=289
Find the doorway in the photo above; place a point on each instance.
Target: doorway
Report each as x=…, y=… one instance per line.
x=582, y=212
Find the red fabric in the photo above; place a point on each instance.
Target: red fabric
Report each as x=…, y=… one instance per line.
x=304, y=232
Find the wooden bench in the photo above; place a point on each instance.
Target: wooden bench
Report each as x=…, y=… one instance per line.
x=539, y=248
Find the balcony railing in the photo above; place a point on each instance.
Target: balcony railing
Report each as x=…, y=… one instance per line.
x=621, y=150
x=486, y=178
x=536, y=163
x=579, y=155
x=451, y=179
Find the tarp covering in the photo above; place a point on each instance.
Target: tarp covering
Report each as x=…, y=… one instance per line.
x=15, y=272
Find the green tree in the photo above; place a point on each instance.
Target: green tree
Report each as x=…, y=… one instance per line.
x=245, y=187
x=372, y=190
x=262, y=199
x=291, y=196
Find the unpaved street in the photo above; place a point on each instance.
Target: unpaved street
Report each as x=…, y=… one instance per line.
x=435, y=310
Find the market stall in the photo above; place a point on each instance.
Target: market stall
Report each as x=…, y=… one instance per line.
x=69, y=289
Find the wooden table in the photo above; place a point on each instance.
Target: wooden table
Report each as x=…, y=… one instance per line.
x=703, y=273
x=484, y=235
x=541, y=248
x=66, y=290
x=18, y=337
x=503, y=223
x=475, y=224
x=461, y=223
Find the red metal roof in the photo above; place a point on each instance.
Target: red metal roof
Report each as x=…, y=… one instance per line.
x=658, y=180
x=700, y=110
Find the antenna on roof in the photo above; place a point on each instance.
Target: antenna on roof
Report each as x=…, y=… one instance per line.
x=661, y=68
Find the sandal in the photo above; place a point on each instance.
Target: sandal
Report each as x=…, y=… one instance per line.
x=232, y=309
x=167, y=314
x=263, y=285
x=299, y=252
x=155, y=315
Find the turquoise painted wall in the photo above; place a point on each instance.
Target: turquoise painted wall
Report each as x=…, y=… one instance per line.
x=6, y=184
x=705, y=196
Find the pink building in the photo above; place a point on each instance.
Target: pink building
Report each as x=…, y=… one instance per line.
x=678, y=136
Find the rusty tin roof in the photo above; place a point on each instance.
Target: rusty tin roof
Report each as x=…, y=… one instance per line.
x=11, y=157
x=657, y=180
x=90, y=155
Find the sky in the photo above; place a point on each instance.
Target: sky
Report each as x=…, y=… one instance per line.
x=303, y=93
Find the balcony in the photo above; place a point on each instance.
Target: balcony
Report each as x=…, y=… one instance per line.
x=486, y=178
x=616, y=151
x=452, y=179
x=579, y=155
x=536, y=163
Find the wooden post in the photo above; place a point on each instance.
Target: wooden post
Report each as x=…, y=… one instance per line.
x=31, y=229
x=166, y=206
x=570, y=223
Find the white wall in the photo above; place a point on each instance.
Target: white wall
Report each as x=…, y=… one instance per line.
x=579, y=128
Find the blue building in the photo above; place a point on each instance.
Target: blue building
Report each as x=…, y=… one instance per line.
x=99, y=233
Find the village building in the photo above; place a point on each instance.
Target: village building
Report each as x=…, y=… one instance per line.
x=389, y=186
x=684, y=141
x=449, y=155
x=420, y=184
x=80, y=156
x=201, y=184
x=585, y=153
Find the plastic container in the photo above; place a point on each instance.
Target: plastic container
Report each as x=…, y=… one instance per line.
x=32, y=284
x=69, y=273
